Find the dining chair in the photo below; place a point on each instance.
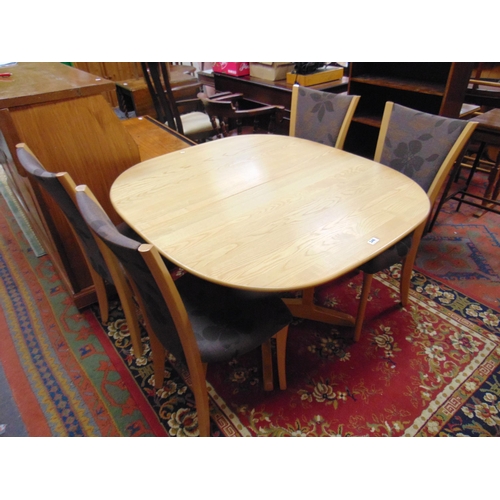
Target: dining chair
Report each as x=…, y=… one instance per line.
x=229, y=116
x=424, y=147
x=61, y=188
x=321, y=116
x=195, y=124
x=198, y=322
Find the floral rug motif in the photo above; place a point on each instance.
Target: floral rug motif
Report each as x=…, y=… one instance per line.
x=431, y=369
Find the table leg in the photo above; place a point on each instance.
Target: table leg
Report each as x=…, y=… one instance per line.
x=306, y=309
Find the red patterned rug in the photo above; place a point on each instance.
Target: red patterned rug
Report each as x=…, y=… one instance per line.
x=59, y=374
x=431, y=369
x=463, y=251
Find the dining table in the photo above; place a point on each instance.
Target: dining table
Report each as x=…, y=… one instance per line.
x=269, y=213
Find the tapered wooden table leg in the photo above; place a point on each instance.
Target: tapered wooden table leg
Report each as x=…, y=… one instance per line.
x=306, y=309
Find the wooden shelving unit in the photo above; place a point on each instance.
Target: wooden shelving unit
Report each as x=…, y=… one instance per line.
x=437, y=88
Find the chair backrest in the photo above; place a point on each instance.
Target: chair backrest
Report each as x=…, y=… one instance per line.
x=220, y=112
x=60, y=187
x=321, y=116
x=420, y=145
x=164, y=310
x=157, y=76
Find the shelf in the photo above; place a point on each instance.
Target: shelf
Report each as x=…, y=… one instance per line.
x=371, y=120
x=435, y=88
x=420, y=86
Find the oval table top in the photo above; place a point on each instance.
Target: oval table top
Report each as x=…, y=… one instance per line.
x=268, y=212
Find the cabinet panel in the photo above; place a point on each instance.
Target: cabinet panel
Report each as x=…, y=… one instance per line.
x=114, y=71
x=61, y=115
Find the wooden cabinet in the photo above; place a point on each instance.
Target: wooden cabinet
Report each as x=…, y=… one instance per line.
x=61, y=114
x=115, y=71
x=131, y=92
x=437, y=88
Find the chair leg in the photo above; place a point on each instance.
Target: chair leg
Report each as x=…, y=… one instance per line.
x=365, y=292
x=281, y=337
x=267, y=365
x=125, y=289
x=158, y=352
x=102, y=296
x=407, y=265
x=406, y=272
x=199, y=388
x=404, y=285
x=130, y=312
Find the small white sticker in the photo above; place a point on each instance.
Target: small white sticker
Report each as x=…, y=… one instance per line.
x=372, y=241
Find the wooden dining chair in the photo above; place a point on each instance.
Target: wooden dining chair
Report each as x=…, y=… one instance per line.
x=61, y=188
x=424, y=147
x=229, y=116
x=195, y=123
x=321, y=116
x=197, y=321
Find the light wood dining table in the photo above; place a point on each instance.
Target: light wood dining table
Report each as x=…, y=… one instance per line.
x=269, y=213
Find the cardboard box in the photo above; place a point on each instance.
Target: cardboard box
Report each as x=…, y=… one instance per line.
x=320, y=76
x=271, y=70
x=232, y=68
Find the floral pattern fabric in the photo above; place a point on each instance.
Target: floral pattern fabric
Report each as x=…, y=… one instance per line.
x=320, y=115
x=417, y=143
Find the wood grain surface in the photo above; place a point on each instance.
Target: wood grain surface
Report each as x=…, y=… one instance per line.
x=268, y=212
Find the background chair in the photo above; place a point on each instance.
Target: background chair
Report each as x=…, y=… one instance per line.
x=195, y=320
x=321, y=116
x=194, y=124
x=61, y=188
x=229, y=118
x=424, y=147
x=486, y=135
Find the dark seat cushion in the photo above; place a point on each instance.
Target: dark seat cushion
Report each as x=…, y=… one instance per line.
x=224, y=323
x=388, y=258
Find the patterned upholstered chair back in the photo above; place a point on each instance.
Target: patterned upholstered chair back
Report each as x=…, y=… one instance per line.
x=321, y=116
x=424, y=147
x=61, y=187
x=417, y=143
x=51, y=184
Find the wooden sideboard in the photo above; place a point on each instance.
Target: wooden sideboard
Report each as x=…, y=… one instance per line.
x=61, y=114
